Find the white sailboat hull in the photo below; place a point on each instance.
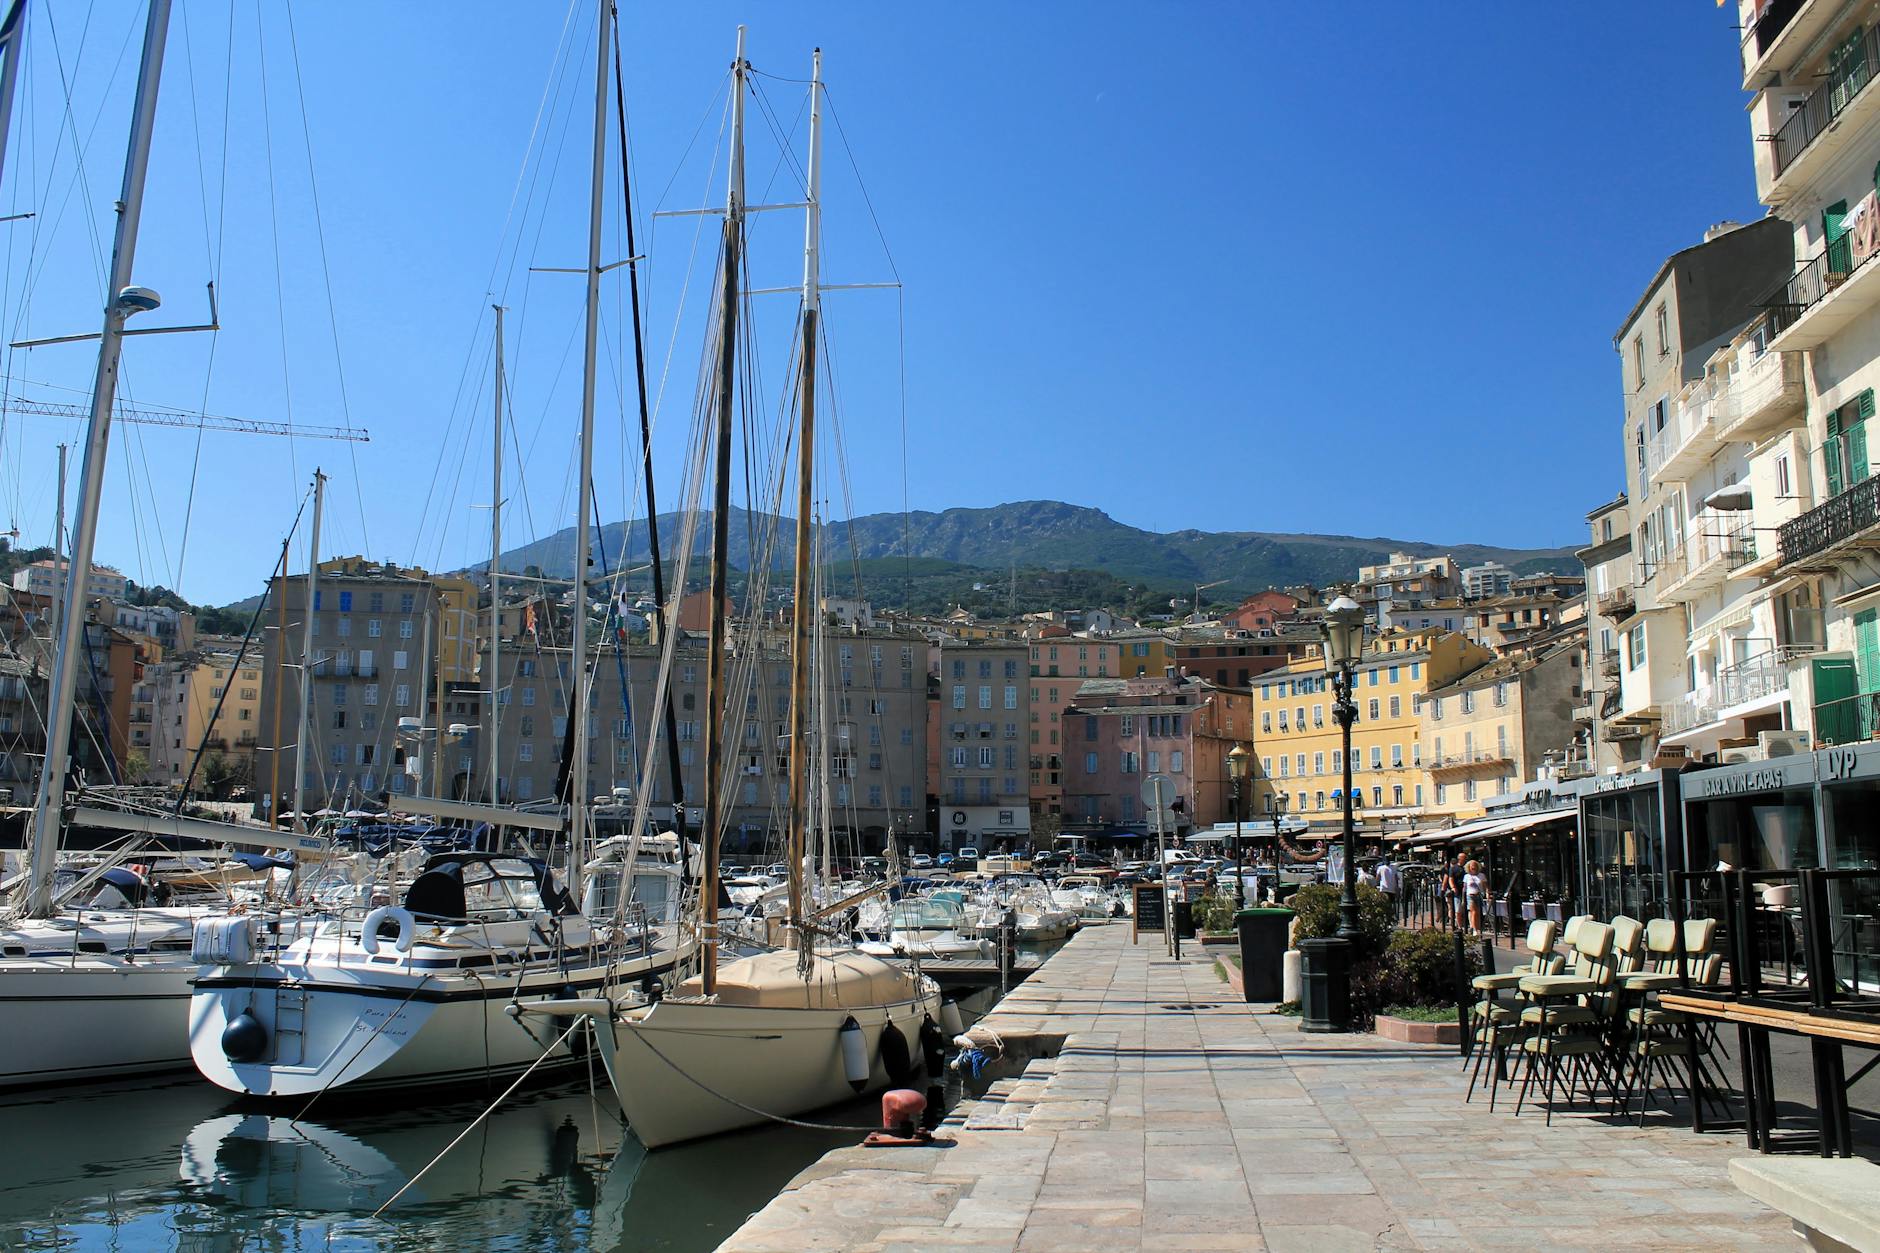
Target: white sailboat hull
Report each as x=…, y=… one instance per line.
x=92, y=1019
x=685, y=1069
x=328, y=1034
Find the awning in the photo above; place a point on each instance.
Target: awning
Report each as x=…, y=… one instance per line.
x=1514, y=826
x=1442, y=835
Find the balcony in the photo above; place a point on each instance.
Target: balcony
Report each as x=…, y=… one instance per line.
x=1452, y=764
x=1766, y=392
x=1814, y=132
x=1827, y=534
x=1771, y=33
x=1691, y=435
x=1824, y=296
x=1617, y=604
x=1850, y=720
x=1609, y=663
x=1737, y=690
x=1721, y=544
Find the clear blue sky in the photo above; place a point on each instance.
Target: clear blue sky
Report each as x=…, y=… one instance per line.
x=1232, y=266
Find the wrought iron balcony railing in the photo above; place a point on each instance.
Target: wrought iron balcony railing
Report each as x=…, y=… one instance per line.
x=1853, y=513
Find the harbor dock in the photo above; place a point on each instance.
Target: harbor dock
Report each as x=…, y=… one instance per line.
x=1146, y=1107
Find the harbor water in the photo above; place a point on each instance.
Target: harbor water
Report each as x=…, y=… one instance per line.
x=180, y=1164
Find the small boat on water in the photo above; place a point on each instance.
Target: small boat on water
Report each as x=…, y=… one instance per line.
x=419, y=993
x=933, y=928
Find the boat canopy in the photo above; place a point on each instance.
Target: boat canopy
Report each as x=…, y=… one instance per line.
x=458, y=887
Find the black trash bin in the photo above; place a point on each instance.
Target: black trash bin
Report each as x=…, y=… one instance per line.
x=1326, y=999
x=1263, y=953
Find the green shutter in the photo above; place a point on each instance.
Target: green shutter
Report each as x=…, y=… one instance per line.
x=1867, y=649
x=1837, y=713
x=1834, y=229
x=1847, y=71
x=1856, y=441
x=1831, y=453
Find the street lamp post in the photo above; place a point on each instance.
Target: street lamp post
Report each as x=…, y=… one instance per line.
x=1344, y=644
x=1236, y=771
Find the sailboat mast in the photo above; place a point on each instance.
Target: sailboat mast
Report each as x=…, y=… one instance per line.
x=121, y=301
x=717, y=641
x=804, y=600
x=673, y=764
x=584, y=500
x=303, y=723
x=13, y=39
x=496, y=568
x=58, y=535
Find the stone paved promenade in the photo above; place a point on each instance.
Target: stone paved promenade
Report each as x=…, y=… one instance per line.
x=1175, y=1118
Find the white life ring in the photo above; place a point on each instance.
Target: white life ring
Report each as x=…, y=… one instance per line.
x=407, y=929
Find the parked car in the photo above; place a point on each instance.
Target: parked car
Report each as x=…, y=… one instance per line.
x=920, y=861
x=969, y=853
x=943, y=860
x=875, y=867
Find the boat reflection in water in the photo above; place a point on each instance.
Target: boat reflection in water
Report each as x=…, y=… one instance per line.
x=183, y=1165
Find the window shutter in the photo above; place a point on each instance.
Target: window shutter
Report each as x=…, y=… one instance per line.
x=1867, y=649
x=1831, y=453
x=1834, y=229
x=1856, y=440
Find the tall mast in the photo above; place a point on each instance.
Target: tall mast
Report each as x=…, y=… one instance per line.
x=584, y=501
x=122, y=301
x=303, y=724
x=280, y=687
x=721, y=525
x=58, y=535
x=424, y=684
x=804, y=602
x=496, y=567
x=13, y=39
x=673, y=764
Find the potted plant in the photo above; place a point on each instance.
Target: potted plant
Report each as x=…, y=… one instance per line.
x=1417, y=989
x=1214, y=919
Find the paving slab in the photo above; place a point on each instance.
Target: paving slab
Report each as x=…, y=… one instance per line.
x=1157, y=1113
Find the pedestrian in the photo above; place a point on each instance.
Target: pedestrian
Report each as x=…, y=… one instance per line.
x=1475, y=887
x=1453, y=890
x=1389, y=883
x=1365, y=878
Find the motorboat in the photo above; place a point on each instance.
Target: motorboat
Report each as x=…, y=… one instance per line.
x=932, y=928
x=418, y=993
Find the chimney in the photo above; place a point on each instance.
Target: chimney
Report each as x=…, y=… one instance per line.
x=1720, y=229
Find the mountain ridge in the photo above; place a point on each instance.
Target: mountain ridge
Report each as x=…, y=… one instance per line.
x=1051, y=535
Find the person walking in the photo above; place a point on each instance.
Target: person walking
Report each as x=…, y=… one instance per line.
x=1475, y=888
x=1453, y=891
x=1389, y=883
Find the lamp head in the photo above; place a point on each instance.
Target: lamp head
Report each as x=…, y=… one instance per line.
x=1237, y=760
x=1344, y=633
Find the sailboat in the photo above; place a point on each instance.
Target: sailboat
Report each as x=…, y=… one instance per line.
x=427, y=991
x=108, y=988
x=779, y=1033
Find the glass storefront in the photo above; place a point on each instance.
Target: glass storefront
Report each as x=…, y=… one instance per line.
x=1629, y=846
x=1854, y=900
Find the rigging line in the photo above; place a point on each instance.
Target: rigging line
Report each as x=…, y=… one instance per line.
x=535, y=128
x=907, y=518
x=212, y=246
x=862, y=183
x=79, y=181
x=785, y=153
x=274, y=232
x=326, y=270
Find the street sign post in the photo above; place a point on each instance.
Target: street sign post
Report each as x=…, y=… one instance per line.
x=1158, y=795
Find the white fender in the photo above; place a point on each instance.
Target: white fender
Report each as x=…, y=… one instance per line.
x=407, y=929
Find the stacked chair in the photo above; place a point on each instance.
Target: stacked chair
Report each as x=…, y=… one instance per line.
x=1494, y=1022
x=1564, y=1031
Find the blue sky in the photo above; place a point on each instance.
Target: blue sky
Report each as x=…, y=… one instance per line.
x=1255, y=266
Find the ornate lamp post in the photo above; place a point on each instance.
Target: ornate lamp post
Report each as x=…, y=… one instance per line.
x=1237, y=760
x=1344, y=645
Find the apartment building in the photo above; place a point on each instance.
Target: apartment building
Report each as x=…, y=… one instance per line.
x=1301, y=751
x=1406, y=581
x=198, y=700
x=981, y=689
x=1145, y=653
x=1491, y=578
x=386, y=643
x=1059, y=666
x=1489, y=732
x=1682, y=348
x=1611, y=595
x=1262, y=611
x=1813, y=127
x=875, y=694
x=1230, y=656
x=1121, y=731
x=47, y=578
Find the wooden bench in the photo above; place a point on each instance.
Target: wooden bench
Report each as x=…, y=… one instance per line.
x=1830, y=1202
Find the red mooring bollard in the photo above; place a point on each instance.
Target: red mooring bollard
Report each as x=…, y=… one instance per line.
x=901, y=1109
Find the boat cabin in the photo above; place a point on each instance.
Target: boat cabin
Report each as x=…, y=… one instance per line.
x=483, y=887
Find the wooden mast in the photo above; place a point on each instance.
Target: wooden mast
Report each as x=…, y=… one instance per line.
x=717, y=639
x=804, y=602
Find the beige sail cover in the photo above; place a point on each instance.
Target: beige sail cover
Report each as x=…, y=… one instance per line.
x=835, y=980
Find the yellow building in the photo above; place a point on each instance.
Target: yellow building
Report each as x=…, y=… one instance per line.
x=1143, y=654
x=178, y=697
x=1301, y=751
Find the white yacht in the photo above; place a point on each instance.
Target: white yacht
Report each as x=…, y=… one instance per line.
x=418, y=993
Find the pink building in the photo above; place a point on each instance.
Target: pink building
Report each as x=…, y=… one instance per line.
x=1118, y=732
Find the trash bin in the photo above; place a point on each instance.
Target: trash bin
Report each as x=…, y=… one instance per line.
x=1326, y=999
x=1262, y=952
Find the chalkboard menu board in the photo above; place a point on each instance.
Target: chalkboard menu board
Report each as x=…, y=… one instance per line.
x=1150, y=915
